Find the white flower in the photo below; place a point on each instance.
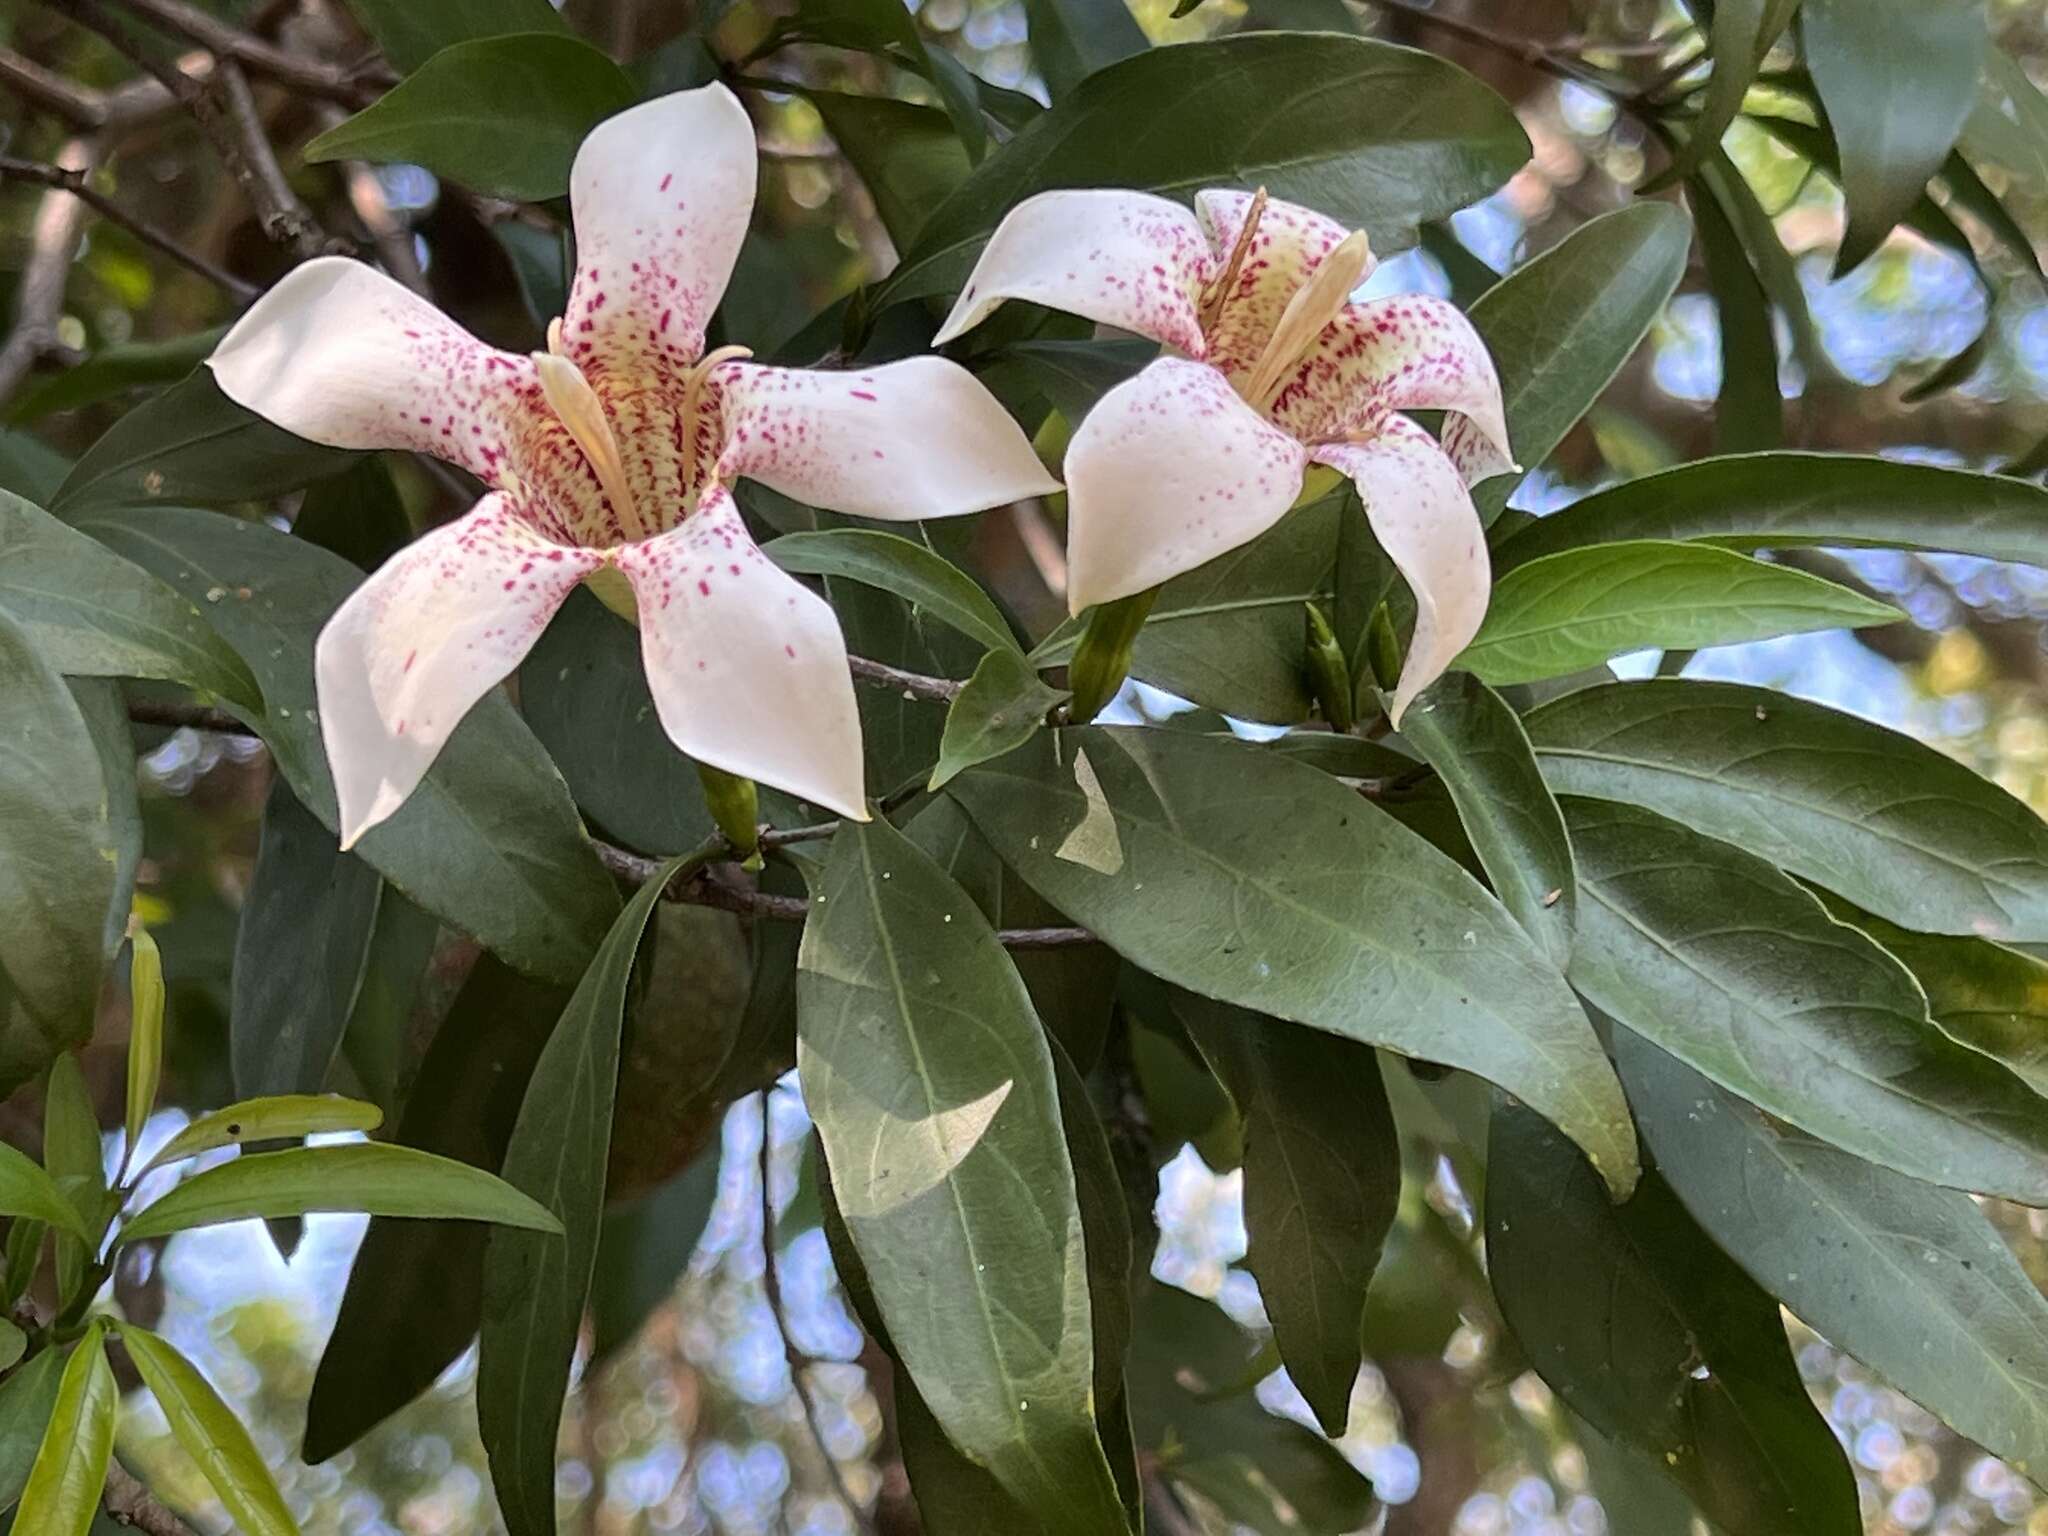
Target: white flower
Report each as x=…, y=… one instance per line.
x=1278, y=368
x=611, y=456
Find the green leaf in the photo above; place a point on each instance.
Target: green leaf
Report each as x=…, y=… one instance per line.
x=1072, y=375
x=1575, y=609
x=1749, y=414
x=1322, y=1179
x=104, y=707
x=997, y=712
x=58, y=863
x=27, y=1191
x=2009, y=123
x=908, y=156
x=71, y=1157
x=1782, y=500
x=1896, y=827
x=192, y=444
x=114, y=370
x=411, y=33
x=1652, y=1333
x=1072, y=39
x=1914, y=1281
x=359, y=1176
x=503, y=116
x=888, y=30
x=1898, y=79
x=1742, y=32
x=1733, y=968
x=211, y=1435
x=359, y=514
x=13, y=1345
x=643, y=1248
x=1129, y=831
x=1561, y=327
x=535, y=1285
x=932, y=1088
x=302, y=948
x=30, y=467
x=145, y=1035
x=489, y=841
x=921, y=577
x=1306, y=116
x=292, y=1115
x=27, y=1398
x=63, y=1490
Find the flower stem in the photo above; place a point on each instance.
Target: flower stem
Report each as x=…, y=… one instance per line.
x=1103, y=658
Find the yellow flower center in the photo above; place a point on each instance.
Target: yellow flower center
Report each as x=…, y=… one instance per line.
x=1315, y=304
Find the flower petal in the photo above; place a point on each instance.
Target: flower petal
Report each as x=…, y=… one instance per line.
x=746, y=664
x=1424, y=519
x=1408, y=352
x=1169, y=470
x=1123, y=259
x=1285, y=250
x=913, y=439
x=410, y=652
x=661, y=196
x=339, y=353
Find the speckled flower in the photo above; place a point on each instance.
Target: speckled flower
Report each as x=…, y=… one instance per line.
x=610, y=458
x=1278, y=368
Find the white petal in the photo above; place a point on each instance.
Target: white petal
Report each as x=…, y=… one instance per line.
x=746, y=664
x=440, y=624
x=1169, y=470
x=1408, y=352
x=1423, y=517
x=1124, y=259
x=1284, y=253
x=339, y=353
x=914, y=439
x=661, y=196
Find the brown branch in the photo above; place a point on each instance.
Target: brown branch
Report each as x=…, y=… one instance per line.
x=127, y=1502
x=74, y=181
x=39, y=295
x=315, y=77
x=913, y=685
x=125, y=106
x=1524, y=50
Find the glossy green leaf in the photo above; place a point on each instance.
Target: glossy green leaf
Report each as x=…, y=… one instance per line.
x=359, y=1176
x=1658, y=1338
x=145, y=1035
x=27, y=1191
x=504, y=116
x=1741, y=33
x=997, y=712
x=1477, y=745
x=918, y=575
x=933, y=1092
x=103, y=704
x=1071, y=39
x=29, y=467
x=63, y=1490
x=1578, y=608
x=72, y=1159
x=114, y=370
x=1306, y=116
x=1749, y=414
x=1339, y=917
x=1322, y=1178
x=285, y=1116
x=489, y=841
x=411, y=33
x=1914, y=1281
x=27, y=1398
x=211, y=1435
x=358, y=514
x=908, y=156
x=1898, y=79
x=13, y=1345
x=2009, y=124
x=1736, y=970
x=1896, y=827
x=536, y=1284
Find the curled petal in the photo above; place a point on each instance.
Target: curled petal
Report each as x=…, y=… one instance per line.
x=440, y=624
x=339, y=353
x=914, y=439
x=1282, y=254
x=1404, y=353
x=1123, y=259
x=661, y=196
x=1169, y=470
x=1423, y=517
x=746, y=664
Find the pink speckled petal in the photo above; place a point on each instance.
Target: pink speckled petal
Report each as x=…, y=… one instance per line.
x=1404, y=353
x=1123, y=259
x=1289, y=245
x=1169, y=470
x=339, y=353
x=914, y=439
x=661, y=195
x=746, y=664
x=410, y=652
x=1423, y=517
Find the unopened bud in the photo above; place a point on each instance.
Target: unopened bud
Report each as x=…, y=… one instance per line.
x=1383, y=649
x=735, y=809
x=1329, y=674
x=1103, y=658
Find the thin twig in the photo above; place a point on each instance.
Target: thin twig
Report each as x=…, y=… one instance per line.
x=63, y=179
x=316, y=77
x=912, y=684
x=39, y=294
x=76, y=104
x=128, y=1502
x=177, y=715
x=1525, y=50
x=799, y=1362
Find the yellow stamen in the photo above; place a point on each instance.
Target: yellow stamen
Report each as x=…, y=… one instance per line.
x=693, y=388
x=572, y=399
x=1213, y=298
x=1314, y=305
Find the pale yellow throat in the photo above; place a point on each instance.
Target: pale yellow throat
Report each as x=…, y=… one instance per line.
x=575, y=403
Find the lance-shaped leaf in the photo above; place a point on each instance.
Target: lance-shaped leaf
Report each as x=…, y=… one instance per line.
x=26, y=1398
x=1891, y=824
x=71, y=1157
x=1652, y=1333
x=1912, y=1280
x=361, y=1176
x=211, y=1435
x=290, y=1115
x=1742, y=32
x=145, y=1036
x=932, y=1087
x=1734, y=968
x=27, y=1191
x=63, y=1490
x=1339, y=917
x=1749, y=414
x=536, y=1283
x=999, y=709
x=921, y=577
x=1071, y=39
x=411, y=34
